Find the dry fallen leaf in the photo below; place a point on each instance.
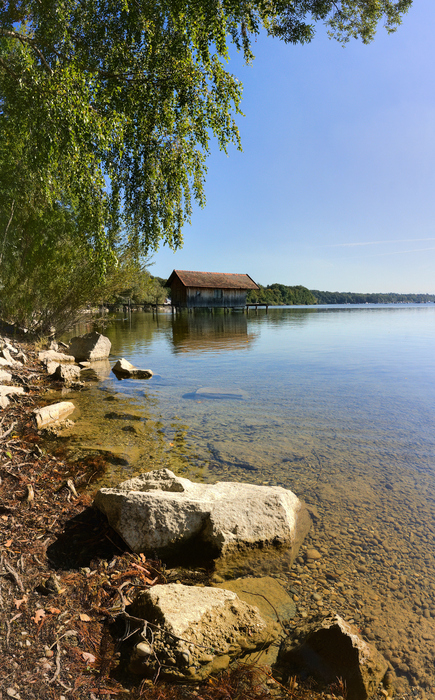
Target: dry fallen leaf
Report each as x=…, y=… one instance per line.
x=8, y=543
x=85, y=618
x=88, y=657
x=18, y=603
x=39, y=615
x=53, y=611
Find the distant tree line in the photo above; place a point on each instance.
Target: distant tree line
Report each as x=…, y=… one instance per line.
x=281, y=295
x=355, y=298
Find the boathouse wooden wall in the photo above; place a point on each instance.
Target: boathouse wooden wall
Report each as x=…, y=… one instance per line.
x=191, y=289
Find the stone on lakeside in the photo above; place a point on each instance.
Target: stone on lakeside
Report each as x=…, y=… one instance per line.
x=331, y=649
x=47, y=357
x=67, y=373
x=124, y=369
x=200, y=630
x=5, y=376
x=7, y=356
x=52, y=414
x=6, y=391
x=207, y=392
x=159, y=511
x=91, y=346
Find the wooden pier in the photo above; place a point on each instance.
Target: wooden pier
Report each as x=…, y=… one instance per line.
x=255, y=306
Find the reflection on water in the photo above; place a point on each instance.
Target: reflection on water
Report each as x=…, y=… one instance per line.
x=206, y=332
x=340, y=408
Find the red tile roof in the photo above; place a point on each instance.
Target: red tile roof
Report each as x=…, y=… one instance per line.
x=212, y=280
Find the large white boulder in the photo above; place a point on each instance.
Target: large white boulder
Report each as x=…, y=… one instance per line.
x=92, y=346
x=158, y=511
x=193, y=631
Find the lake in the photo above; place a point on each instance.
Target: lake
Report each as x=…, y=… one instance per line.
x=336, y=403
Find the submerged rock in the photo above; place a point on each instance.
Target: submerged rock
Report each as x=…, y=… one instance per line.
x=124, y=369
x=159, y=511
x=91, y=346
x=207, y=392
x=195, y=631
x=333, y=649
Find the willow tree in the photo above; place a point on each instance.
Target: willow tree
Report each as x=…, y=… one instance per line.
x=114, y=102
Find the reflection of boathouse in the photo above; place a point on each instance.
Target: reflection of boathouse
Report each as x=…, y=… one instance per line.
x=210, y=332
x=209, y=289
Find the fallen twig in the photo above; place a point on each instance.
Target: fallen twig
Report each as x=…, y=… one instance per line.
x=12, y=572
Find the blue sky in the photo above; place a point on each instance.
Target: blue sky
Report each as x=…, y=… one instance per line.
x=335, y=188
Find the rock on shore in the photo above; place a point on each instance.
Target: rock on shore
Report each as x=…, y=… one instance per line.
x=159, y=511
x=195, y=631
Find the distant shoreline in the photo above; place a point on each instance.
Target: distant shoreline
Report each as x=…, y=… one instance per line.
x=284, y=295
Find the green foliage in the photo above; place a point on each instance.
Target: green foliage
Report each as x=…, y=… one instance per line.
x=114, y=103
x=376, y=298
x=281, y=295
x=131, y=280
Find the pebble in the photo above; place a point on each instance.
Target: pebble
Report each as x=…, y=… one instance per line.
x=313, y=554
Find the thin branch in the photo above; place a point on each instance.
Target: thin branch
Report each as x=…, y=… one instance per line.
x=6, y=231
x=30, y=42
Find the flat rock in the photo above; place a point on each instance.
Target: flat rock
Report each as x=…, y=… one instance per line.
x=50, y=356
x=200, y=629
x=124, y=369
x=331, y=649
x=159, y=511
x=207, y=392
x=52, y=414
x=91, y=346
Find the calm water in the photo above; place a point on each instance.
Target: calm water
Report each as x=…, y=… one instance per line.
x=353, y=379
x=337, y=403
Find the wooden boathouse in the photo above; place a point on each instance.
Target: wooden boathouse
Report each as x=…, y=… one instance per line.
x=209, y=290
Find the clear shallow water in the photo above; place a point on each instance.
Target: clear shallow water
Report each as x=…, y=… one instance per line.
x=360, y=379
x=339, y=406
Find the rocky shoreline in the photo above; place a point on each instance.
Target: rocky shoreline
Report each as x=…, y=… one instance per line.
x=62, y=566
